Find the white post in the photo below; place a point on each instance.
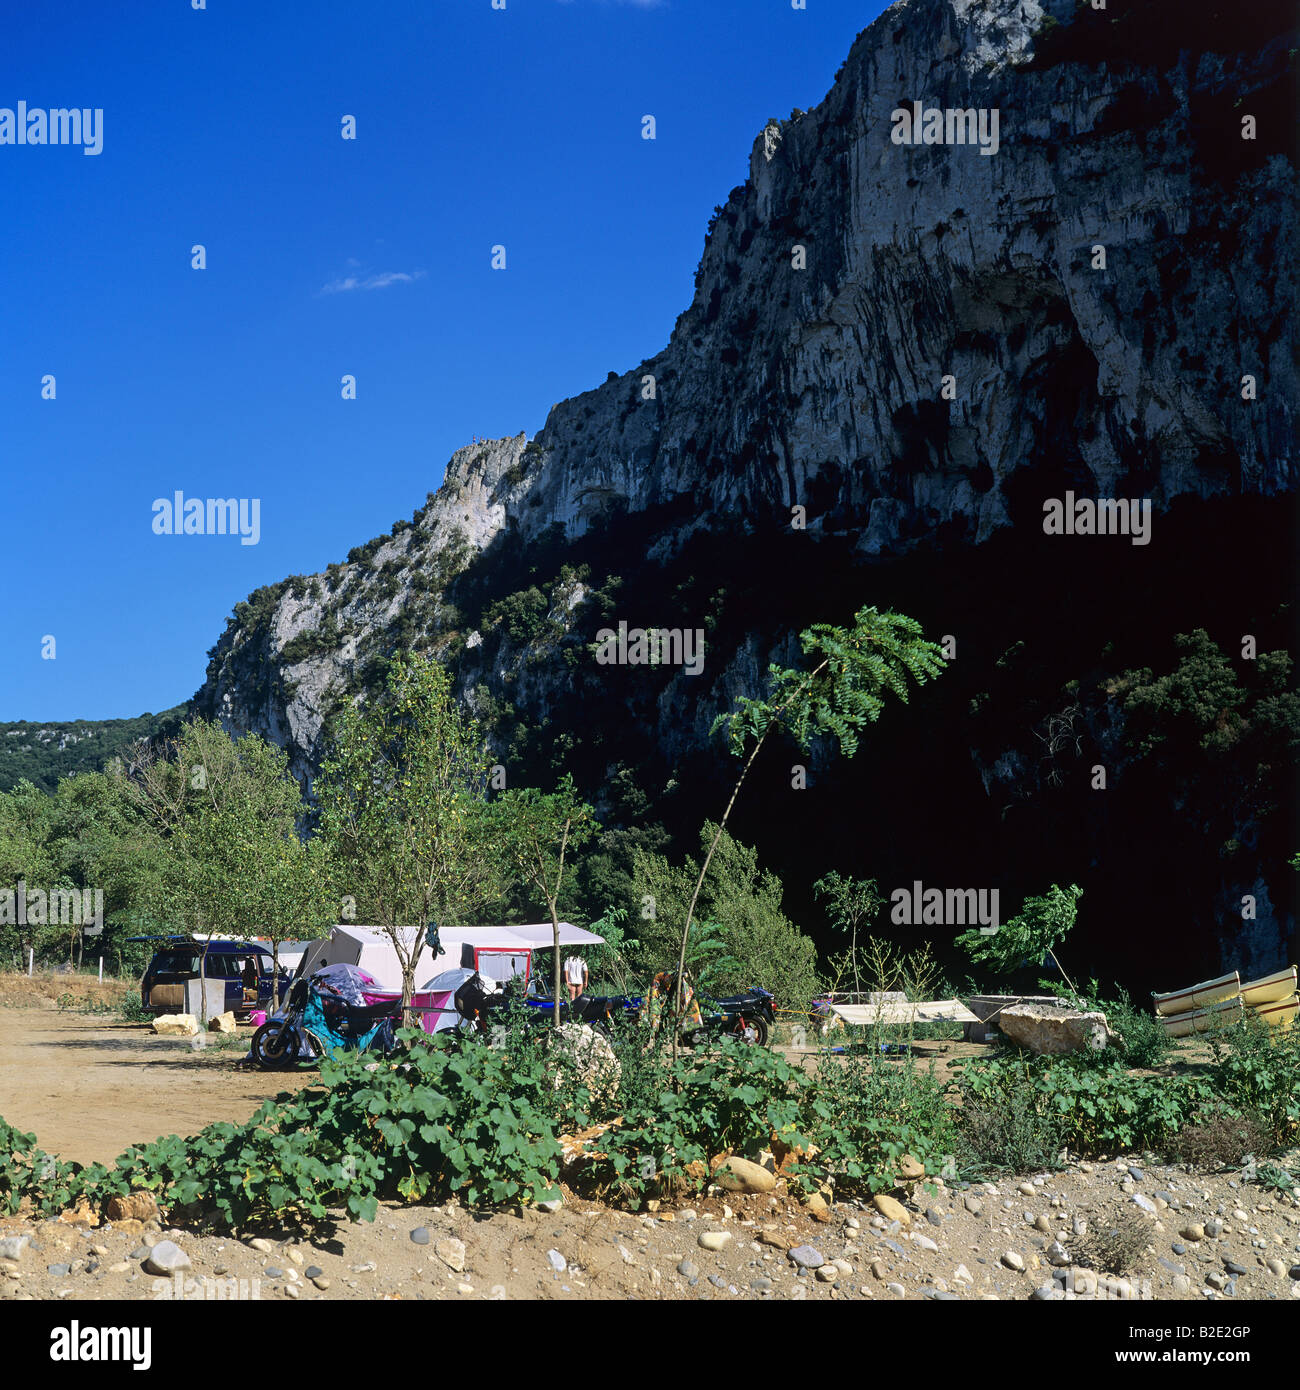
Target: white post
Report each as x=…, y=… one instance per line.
x=30, y=953
x=101, y=970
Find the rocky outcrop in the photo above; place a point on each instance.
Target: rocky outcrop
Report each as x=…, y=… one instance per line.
x=1049, y=1029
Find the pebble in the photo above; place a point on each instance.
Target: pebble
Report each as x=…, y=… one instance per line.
x=962, y=1275
x=59, y=1271
x=1026, y=1189
x=1178, y=1249
x=942, y=1296
x=272, y=1272
x=807, y=1257
x=688, y=1270
x=464, y=1288
x=313, y=1271
x=1145, y=1203
x=1275, y=1266
x=558, y=1263
x=1043, y=1224
x=1012, y=1260
x=878, y=1269
x=1136, y=1174
x=292, y=1291
x=552, y=1204
x=1079, y=1226
x=1214, y=1228
x=1193, y=1233
x=1182, y=1284
x=420, y=1236
x=1234, y=1268
x=714, y=1240
x=167, y=1258
x=933, y=1217
x=261, y=1245
x=828, y=1274
x=760, y=1285
x=452, y=1253
x=1058, y=1255
x=972, y=1205
x=1216, y=1280
x=926, y=1244
x=12, y=1247
x=897, y=1289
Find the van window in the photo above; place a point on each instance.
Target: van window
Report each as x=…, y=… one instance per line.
x=175, y=963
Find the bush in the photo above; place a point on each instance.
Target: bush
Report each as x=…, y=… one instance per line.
x=1015, y=1134
x=1097, y=1103
x=865, y=1112
x=1115, y=1244
x=1257, y=1069
x=1220, y=1138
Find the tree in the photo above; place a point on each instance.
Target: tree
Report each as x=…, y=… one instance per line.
x=536, y=831
x=853, y=902
x=26, y=857
x=403, y=810
x=837, y=696
x=1033, y=933
x=218, y=821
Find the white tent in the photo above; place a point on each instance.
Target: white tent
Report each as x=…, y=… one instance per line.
x=498, y=952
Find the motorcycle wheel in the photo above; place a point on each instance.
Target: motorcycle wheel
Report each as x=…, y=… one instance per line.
x=752, y=1031
x=275, y=1046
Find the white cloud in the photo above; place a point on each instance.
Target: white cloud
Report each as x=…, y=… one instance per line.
x=342, y=284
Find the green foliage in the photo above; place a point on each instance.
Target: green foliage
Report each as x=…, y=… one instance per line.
x=851, y=904
x=1257, y=1069
x=403, y=810
x=843, y=685
x=43, y=752
x=1030, y=936
x=523, y=615
x=1099, y=1106
x=865, y=1112
x=762, y=945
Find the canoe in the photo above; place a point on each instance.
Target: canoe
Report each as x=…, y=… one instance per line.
x=1280, y=1015
x=1198, y=996
x=1269, y=989
x=1221, y=1015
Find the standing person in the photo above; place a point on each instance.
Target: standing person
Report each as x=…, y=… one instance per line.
x=575, y=976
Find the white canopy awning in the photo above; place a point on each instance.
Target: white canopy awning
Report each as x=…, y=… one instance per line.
x=905, y=1011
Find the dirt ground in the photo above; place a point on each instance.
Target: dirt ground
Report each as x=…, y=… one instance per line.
x=89, y=1086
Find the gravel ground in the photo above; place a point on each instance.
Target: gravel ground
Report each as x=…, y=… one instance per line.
x=1206, y=1238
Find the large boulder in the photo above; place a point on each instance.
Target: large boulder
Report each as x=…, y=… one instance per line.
x=586, y=1058
x=176, y=1025
x=740, y=1175
x=223, y=1023
x=1053, y=1028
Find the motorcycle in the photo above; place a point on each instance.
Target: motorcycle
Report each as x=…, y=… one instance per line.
x=322, y=1014
x=748, y=1017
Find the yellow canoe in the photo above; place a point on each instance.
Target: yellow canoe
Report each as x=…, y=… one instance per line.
x=1198, y=996
x=1270, y=989
x=1221, y=1015
x=1280, y=1015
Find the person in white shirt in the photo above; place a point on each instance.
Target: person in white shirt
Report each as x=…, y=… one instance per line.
x=575, y=976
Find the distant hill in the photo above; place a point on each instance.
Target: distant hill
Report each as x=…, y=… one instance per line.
x=44, y=751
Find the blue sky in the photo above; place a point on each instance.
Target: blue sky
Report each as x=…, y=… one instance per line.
x=221, y=127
